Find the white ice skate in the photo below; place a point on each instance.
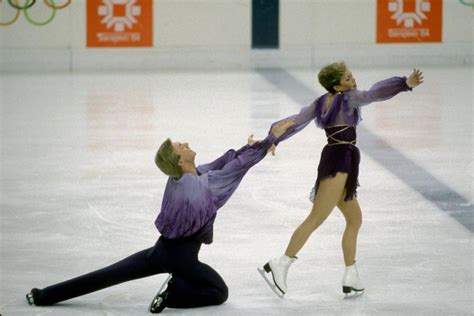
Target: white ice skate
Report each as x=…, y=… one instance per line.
x=278, y=267
x=351, y=284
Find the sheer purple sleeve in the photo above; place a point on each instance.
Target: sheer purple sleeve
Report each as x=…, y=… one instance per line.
x=190, y=202
x=380, y=91
x=224, y=182
x=302, y=119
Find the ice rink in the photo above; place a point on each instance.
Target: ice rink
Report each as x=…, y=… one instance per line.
x=79, y=189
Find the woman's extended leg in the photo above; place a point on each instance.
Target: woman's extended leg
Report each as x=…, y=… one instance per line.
x=329, y=193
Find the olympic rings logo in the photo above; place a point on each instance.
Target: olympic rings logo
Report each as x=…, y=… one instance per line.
x=467, y=2
x=52, y=4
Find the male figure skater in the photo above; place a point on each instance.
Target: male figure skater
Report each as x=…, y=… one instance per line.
x=189, y=207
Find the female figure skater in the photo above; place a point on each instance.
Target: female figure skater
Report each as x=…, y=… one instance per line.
x=189, y=207
x=338, y=112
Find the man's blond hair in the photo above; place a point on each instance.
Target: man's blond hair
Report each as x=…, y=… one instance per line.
x=166, y=160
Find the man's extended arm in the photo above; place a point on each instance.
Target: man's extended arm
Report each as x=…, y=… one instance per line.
x=223, y=182
x=220, y=162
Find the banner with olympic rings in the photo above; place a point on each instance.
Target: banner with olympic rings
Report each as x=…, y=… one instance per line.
x=11, y=10
x=119, y=23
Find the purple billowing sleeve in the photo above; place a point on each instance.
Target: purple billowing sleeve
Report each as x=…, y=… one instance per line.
x=380, y=91
x=223, y=182
x=191, y=202
x=302, y=119
x=220, y=162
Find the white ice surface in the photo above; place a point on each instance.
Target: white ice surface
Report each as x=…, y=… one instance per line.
x=79, y=191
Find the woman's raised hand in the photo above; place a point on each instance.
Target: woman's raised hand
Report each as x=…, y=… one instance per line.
x=415, y=79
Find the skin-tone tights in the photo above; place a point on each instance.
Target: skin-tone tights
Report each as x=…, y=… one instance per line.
x=330, y=194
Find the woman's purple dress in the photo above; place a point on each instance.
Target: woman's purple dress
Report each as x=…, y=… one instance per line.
x=339, y=122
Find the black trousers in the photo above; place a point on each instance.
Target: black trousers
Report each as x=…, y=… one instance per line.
x=194, y=283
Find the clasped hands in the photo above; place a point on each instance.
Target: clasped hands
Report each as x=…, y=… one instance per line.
x=278, y=129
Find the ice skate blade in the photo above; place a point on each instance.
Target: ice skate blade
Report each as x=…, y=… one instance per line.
x=351, y=292
x=154, y=307
x=165, y=283
x=274, y=288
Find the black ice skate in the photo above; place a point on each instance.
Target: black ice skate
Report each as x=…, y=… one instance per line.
x=158, y=304
x=30, y=297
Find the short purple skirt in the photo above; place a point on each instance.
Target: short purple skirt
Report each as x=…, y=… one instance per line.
x=343, y=158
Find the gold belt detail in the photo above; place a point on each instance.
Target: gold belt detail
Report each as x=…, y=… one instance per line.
x=338, y=141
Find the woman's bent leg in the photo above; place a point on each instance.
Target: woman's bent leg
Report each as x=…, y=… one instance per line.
x=353, y=215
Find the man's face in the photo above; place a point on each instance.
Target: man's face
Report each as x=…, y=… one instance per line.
x=185, y=153
x=347, y=82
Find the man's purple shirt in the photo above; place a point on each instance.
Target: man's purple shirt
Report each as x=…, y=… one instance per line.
x=190, y=203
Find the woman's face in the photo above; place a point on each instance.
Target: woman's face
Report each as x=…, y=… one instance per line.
x=347, y=82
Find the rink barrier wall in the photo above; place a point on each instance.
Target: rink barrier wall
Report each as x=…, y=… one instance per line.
x=214, y=34
x=202, y=58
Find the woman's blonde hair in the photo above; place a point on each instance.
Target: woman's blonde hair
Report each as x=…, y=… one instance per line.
x=331, y=75
x=166, y=160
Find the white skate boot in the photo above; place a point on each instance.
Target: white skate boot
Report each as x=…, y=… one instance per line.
x=351, y=284
x=279, y=269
